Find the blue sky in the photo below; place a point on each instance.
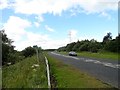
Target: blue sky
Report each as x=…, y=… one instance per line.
x=47, y=23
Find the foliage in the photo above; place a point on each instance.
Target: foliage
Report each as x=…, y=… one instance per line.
x=29, y=51
x=25, y=74
x=76, y=46
x=7, y=48
x=113, y=45
x=108, y=44
x=9, y=55
x=94, y=46
x=118, y=43
x=62, y=49
x=70, y=46
x=84, y=47
x=107, y=38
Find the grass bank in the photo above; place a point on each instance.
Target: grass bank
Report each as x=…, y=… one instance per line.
x=0, y=78
x=69, y=77
x=101, y=55
x=27, y=73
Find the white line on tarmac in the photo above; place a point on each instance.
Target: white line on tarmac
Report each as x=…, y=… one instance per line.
x=98, y=62
x=93, y=61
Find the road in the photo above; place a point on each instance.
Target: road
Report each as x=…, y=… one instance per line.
x=104, y=70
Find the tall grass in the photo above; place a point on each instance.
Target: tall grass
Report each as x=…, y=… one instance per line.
x=24, y=75
x=0, y=78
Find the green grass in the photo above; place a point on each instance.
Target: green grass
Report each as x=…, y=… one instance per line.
x=23, y=75
x=0, y=78
x=70, y=77
x=102, y=55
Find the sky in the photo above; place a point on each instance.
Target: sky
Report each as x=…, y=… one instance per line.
x=55, y=23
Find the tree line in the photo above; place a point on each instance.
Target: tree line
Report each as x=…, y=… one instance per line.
x=9, y=54
x=108, y=44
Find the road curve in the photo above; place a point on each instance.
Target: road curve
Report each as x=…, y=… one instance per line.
x=102, y=70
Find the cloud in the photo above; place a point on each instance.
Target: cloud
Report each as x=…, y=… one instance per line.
x=54, y=44
x=48, y=28
x=56, y=7
x=39, y=18
x=97, y=6
x=3, y=4
x=104, y=14
x=41, y=40
x=40, y=7
x=6, y=4
x=36, y=24
x=15, y=27
x=31, y=39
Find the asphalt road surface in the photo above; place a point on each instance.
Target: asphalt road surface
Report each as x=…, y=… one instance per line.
x=104, y=70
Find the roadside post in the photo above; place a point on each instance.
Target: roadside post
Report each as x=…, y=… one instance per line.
x=36, y=48
x=48, y=73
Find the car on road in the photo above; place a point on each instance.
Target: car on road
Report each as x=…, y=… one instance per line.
x=72, y=53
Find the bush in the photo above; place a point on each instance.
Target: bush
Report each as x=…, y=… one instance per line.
x=84, y=47
x=29, y=51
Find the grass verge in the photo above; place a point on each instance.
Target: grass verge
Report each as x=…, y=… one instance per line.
x=101, y=55
x=25, y=74
x=0, y=78
x=70, y=77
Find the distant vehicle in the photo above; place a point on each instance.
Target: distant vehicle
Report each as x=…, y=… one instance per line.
x=72, y=53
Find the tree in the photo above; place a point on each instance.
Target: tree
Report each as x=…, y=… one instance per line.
x=94, y=46
x=29, y=51
x=76, y=46
x=7, y=48
x=118, y=42
x=70, y=46
x=84, y=47
x=113, y=45
x=62, y=49
x=109, y=44
x=107, y=38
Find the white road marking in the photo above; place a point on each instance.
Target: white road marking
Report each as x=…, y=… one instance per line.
x=91, y=60
x=118, y=66
x=98, y=62
x=75, y=58
x=111, y=65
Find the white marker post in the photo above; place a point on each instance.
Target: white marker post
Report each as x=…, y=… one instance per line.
x=48, y=72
